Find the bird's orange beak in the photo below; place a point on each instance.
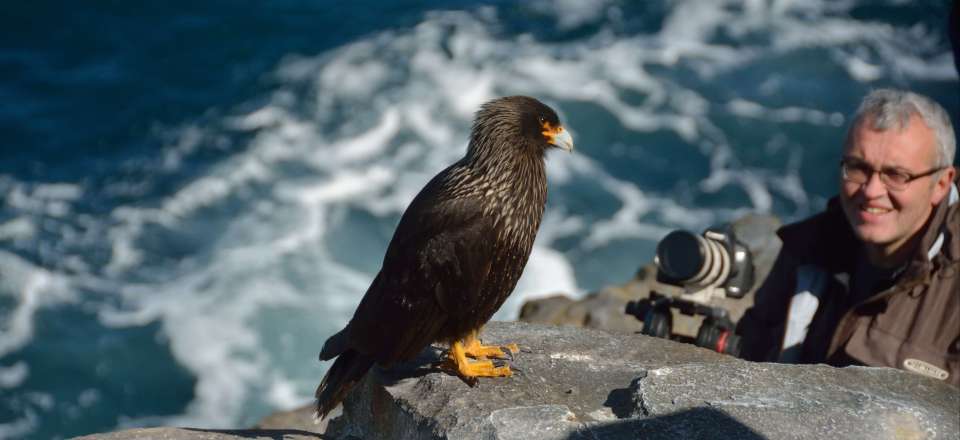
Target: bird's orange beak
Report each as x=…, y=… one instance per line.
x=558, y=136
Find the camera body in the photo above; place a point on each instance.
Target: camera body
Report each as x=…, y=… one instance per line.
x=693, y=272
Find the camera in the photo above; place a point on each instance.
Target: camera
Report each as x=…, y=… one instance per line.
x=693, y=272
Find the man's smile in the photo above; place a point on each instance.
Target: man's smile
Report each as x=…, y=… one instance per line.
x=874, y=210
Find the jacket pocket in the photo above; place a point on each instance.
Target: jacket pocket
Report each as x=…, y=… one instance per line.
x=874, y=347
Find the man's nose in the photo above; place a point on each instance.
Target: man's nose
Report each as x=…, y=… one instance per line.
x=874, y=186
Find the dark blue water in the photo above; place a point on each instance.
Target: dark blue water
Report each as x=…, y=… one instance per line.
x=194, y=196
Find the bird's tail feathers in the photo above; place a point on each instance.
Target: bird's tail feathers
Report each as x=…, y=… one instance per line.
x=345, y=372
x=335, y=345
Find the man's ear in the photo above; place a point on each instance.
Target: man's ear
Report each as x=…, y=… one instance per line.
x=941, y=188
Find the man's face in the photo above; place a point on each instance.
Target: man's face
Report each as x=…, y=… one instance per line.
x=883, y=218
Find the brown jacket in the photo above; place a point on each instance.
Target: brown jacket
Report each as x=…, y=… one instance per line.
x=803, y=313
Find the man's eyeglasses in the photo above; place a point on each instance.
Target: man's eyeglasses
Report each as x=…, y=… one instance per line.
x=856, y=171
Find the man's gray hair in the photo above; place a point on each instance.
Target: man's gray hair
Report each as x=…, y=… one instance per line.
x=890, y=108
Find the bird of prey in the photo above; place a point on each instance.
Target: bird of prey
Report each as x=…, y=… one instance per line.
x=456, y=255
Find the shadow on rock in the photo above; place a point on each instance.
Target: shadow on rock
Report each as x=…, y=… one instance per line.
x=692, y=423
x=621, y=402
x=274, y=434
x=428, y=361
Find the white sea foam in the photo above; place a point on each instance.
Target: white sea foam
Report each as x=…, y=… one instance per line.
x=189, y=139
x=13, y=375
x=88, y=397
x=862, y=70
x=215, y=338
x=285, y=394
x=31, y=288
x=626, y=222
x=20, y=228
x=571, y=14
x=58, y=191
x=365, y=146
x=21, y=427
x=44, y=199
x=747, y=109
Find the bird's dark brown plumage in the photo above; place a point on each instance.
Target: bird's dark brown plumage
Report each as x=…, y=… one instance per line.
x=459, y=249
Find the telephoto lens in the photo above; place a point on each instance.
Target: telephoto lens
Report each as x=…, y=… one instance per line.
x=688, y=259
x=680, y=255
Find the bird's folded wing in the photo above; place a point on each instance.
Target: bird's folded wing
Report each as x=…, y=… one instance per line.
x=440, y=251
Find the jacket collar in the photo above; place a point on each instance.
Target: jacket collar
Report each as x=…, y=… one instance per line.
x=938, y=243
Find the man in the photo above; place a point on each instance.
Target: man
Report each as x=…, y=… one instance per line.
x=875, y=279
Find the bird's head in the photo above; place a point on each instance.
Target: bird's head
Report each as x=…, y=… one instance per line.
x=518, y=122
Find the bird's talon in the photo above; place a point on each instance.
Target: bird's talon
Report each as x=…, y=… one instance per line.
x=475, y=349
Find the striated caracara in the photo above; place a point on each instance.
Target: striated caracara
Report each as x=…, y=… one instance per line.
x=456, y=255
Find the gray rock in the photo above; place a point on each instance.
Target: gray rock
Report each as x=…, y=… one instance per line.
x=299, y=418
x=574, y=383
x=204, y=434
x=565, y=378
x=288, y=425
x=578, y=383
x=554, y=309
x=798, y=401
x=602, y=310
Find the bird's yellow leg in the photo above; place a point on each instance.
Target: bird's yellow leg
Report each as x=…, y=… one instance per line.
x=471, y=369
x=473, y=348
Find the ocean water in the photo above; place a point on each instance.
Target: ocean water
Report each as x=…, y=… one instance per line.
x=193, y=196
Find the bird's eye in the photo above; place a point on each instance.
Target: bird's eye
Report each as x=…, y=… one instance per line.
x=541, y=119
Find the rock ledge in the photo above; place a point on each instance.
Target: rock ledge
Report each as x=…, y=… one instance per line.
x=573, y=383
x=587, y=384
